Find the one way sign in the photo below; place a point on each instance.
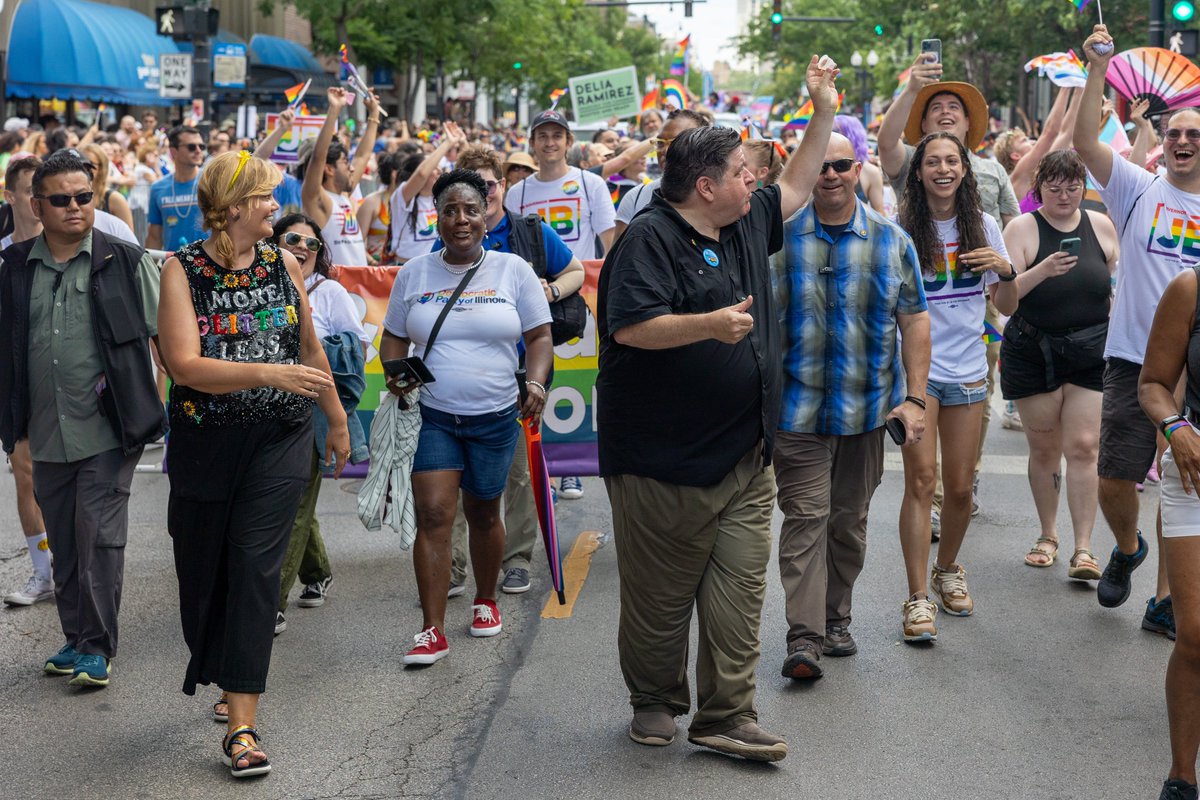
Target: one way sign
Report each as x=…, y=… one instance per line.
x=175, y=75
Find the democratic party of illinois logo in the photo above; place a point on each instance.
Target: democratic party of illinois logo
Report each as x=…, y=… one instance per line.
x=571, y=187
x=711, y=259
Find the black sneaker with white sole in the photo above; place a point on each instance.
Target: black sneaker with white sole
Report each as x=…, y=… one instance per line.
x=516, y=581
x=280, y=623
x=314, y=594
x=1117, y=581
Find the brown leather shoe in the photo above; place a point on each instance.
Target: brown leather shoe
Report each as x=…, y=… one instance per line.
x=655, y=728
x=838, y=642
x=746, y=740
x=803, y=662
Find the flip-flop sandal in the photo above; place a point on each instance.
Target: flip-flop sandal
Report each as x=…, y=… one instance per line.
x=1082, y=571
x=242, y=735
x=1050, y=555
x=217, y=715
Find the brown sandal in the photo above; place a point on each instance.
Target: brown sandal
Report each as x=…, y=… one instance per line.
x=1036, y=550
x=1083, y=566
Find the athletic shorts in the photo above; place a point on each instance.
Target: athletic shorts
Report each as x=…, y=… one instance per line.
x=1023, y=370
x=1127, y=436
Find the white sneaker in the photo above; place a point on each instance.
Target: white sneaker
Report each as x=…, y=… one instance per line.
x=1010, y=420
x=36, y=590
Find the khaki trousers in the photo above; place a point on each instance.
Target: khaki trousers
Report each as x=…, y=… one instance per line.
x=825, y=484
x=679, y=546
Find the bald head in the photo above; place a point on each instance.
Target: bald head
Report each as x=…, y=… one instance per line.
x=834, y=196
x=839, y=147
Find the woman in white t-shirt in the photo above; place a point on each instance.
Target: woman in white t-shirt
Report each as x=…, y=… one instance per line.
x=413, y=213
x=962, y=253
x=469, y=413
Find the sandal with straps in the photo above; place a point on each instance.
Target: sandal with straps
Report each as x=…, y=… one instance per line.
x=1083, y=566
x=1049, y=555
x=218, y=716
x=242, y=735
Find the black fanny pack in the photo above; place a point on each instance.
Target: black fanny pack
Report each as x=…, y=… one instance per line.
x=1081, y=344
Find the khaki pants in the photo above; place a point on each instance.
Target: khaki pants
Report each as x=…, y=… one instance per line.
x=520, y=520
x=825, y=484
x=679, y=546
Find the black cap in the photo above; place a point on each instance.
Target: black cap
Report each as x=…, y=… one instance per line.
x=549, y=116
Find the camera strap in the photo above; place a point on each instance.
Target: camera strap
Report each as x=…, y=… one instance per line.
x=437, y=325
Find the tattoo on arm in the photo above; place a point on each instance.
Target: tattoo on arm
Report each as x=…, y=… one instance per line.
x=1057, y=481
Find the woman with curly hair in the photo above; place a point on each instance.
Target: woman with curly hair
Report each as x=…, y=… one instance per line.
x=962, y=253
x=237, y=339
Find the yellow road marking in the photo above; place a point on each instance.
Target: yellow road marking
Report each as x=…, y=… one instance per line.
x=575, y=572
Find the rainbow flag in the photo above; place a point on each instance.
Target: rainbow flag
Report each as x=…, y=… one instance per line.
x=1080, y=4
x=650, y=100
x=990, y=334
x=1063, y=69
x=555, y=96
x=902, y=79
x=295, y=93
x=674, y=94
x=799, y=120
x=679, y=62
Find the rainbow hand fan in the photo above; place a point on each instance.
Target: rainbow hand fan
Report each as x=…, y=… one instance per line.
x=1168, y=80
x=674, y=94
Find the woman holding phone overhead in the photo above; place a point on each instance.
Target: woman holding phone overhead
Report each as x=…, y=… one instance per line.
x=469, y=409
x=962, y=255
x=1053, y=350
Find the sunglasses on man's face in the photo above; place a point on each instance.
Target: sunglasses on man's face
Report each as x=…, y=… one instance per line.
x=1175, y=134
x=195, y=147
x=311, y=242
x=840, y=166
x=64, y=200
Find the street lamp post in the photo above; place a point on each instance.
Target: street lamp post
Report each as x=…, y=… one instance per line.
x=857, y=61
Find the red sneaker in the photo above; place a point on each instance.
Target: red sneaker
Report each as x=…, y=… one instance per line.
x=431, y=647
x=487, y=618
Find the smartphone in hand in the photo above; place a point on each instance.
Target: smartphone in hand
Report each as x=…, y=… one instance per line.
x=932, y=46
x=895, y=428
x=1070, y=246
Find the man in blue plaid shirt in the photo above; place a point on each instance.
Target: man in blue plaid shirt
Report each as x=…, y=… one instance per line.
x=851, y=280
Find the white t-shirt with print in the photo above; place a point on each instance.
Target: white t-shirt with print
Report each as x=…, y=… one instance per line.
x=408, y=242
x=577, y=206
x=1161, y=240
x=474, y=357
x=957, y=303
x=333, y=309
x=341, y=233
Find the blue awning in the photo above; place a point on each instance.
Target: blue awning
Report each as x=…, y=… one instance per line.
x=78, y=50
x=223, y=37
x=272, y=51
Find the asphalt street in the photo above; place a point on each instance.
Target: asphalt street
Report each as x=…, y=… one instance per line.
x=1040, y=694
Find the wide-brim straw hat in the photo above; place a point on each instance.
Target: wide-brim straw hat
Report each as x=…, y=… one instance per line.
x=972, y=100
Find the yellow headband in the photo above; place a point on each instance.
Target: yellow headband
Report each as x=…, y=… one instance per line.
x=243, y=157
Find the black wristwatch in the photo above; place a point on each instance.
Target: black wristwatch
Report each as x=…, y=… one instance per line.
x=554, y=291
x=1169, y=421
x=1011, y=276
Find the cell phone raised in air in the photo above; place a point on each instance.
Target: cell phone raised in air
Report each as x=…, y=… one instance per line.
x=895, y=428
x=1070, y=246
x=411, y=370
x=932, y=46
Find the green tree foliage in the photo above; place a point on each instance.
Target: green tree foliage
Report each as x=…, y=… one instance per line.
x=985, y=42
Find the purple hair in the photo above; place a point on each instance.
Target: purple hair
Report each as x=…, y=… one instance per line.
x=853, y=129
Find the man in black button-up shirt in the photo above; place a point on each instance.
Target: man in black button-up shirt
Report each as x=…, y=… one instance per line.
x=688, y=403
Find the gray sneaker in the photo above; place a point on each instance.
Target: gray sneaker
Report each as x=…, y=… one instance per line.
x=655, y=728
x=516, y=581
x=746, y=740
x=36, y=590
x=456, y=589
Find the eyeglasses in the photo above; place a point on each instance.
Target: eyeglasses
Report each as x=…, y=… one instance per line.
x=1175, y=134
x=840, y=165
x=64, y=200
x=1057, y=190
x=195, y=147
x=492, y=186
x=311, y=242
x=661, y=142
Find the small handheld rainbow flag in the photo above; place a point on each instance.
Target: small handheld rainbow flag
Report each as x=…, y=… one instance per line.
x=799, y=120
x=555, y=96
x=650, y=100
x=354, y=78
x=295, y=94
x=679, y=62
x=1080, y=4
x=674, y=94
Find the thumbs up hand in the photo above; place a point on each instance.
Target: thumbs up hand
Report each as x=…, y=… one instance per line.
x=731, y=324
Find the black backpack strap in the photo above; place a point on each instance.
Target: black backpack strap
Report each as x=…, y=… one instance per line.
x=1133, y=205
x=528, y=241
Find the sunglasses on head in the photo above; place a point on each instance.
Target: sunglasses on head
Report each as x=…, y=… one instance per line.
x=293, y=239
x=1175, y=134
x=64, y=200
x=195, y=147
x=840, y=165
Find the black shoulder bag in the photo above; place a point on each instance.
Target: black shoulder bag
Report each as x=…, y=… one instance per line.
x=568, y=315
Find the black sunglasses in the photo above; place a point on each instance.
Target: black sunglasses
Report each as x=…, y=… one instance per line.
x=195, y=147
x=311, y=242
x=64, y=200
x=841, y=165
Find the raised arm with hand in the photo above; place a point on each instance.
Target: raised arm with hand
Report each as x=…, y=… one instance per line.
x=1096, y=155
x=452, y=136
x=312, y=191
x=1145, y=136
x=925, y=70
x=282, y=126
x=804, y=167
x=366, y=145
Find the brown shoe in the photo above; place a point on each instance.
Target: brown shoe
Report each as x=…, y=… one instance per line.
x=746, y=740
x=655, y=728
x=950, y=588
x=803, y=662
x=838, y=642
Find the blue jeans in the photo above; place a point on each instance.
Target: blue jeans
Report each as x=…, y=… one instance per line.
x=480, y=447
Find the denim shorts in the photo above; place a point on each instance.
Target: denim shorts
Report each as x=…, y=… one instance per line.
x=480, y=447
x=956, y=394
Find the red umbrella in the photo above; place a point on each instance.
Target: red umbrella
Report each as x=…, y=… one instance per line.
x=543, y=498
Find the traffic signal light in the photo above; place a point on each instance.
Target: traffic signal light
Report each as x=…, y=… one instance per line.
x=879, y=30
x=687, y=8
x=1183, y=10
x=517, y=65
x=777, y=20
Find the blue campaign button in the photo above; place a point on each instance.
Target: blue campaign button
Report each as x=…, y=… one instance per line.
x=711, y=258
